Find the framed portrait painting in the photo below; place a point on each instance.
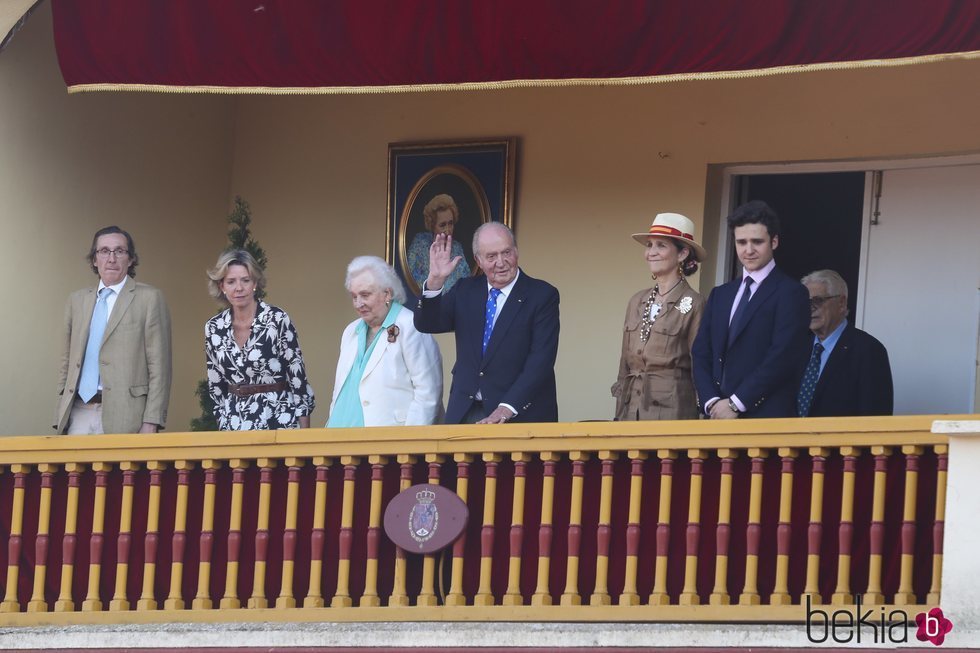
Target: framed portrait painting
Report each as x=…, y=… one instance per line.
x=449, y=188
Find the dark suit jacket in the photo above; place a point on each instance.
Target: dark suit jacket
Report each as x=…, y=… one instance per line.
x=762, y=362
x=519, y=366
x=857, y=379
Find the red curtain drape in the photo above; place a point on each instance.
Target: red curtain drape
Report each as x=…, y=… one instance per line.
x=368, y=45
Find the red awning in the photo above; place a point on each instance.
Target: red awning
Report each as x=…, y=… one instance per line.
x=364, y=46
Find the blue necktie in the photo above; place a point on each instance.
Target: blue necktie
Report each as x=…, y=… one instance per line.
x=742, y=303
x=491, y=311
x=809, y=385
x=89, y=383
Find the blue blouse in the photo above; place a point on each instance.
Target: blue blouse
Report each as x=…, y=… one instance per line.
x=347, y=411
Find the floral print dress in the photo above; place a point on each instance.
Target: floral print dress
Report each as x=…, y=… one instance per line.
x=271, y=355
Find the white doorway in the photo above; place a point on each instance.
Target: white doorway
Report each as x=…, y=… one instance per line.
x=922, y=276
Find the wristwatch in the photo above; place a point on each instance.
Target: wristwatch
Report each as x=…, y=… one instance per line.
x=733, y=406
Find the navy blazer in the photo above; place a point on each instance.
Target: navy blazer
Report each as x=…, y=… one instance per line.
x=519, y=365
x=857, y=379
x=762, y=362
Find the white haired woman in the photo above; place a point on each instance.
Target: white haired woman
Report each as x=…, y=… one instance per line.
x=388, y=374
x=655, y=380
x=256, y=374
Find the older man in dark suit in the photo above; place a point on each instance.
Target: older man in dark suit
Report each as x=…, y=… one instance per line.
x=752, y=342
x=848, y=371
x=506, y=326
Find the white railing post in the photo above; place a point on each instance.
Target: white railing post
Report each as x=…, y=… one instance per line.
x=960, y=598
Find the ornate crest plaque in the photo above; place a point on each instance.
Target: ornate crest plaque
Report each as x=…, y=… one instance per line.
x=425, y=518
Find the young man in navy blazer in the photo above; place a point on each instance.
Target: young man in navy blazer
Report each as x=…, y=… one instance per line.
x=753, y=341
x=506, y=326
x=847, y=373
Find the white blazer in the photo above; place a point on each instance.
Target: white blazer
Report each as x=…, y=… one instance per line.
x=402, y=381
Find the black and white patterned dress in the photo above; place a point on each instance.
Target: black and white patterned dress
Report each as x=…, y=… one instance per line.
x=271, y=355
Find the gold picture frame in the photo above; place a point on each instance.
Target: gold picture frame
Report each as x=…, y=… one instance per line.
x=478, y=175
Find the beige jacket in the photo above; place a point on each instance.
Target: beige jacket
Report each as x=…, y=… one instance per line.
x=655, y=380
x=135, y=358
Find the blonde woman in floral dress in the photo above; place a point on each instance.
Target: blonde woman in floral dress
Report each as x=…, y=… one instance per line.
x=255, y=367
x=655, y=379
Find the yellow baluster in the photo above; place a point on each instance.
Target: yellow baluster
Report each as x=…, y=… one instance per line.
x=723, y=534
x=65, y=602
x=124, y=542
x=571, y=595
x=202, y=600
x=780, y=593
x=689, y=595
x=399, y=594
x=845, y=532
x=630, y=595
x=942, y=462
x=15, y=545
x=455, y=595
x=874, y=595
x=427, y=593
x=93, y=602
x=314, y=596
x=258, y=598
x=37, y=602
x=484, y=594
x=175, y=599
x=905, y=595
x=542, y=592
x=513, y=595
x=341, y=598
x=286, y=598
x=230, y=600
x=814, y=533
x=600, y=596
x=753, y=531
x=370, y=596
x=659, y=595
x=147, y=600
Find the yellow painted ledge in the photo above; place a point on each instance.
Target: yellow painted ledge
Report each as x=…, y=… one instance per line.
x=562, y=436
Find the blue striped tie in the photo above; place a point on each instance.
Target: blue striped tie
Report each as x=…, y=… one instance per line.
x=89, y=383
x=809, y=385
x=491, y=311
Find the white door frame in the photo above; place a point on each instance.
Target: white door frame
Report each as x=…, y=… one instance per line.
x=868, y=166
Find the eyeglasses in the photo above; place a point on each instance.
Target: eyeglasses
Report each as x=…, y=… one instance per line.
x=119, y=252
x=817, y=302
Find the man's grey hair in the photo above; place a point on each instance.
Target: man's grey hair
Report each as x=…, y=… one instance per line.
x=382, y=274
x=491, y=225
x=833, y=282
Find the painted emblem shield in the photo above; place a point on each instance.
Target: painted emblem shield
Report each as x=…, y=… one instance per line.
x=425, y=518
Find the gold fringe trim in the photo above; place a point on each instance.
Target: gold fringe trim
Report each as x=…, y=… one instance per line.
x=529, y=83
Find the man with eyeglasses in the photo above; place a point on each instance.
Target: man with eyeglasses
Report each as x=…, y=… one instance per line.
x=115, y=362
x=848, y=372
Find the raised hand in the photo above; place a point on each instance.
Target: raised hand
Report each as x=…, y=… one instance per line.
x=441, y=264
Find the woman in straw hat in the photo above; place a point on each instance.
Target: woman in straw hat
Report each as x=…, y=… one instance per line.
x=661, y=322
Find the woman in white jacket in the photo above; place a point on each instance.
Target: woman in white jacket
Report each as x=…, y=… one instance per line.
x=388, y=374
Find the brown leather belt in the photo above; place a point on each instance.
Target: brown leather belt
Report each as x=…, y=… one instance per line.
x=96, y=399
x=246, y=390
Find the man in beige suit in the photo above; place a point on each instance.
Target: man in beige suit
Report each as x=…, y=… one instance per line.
x=115, y=362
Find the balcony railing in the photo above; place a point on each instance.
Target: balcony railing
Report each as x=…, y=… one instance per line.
x=649, y=521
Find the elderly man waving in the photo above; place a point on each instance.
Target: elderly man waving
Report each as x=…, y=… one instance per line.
x=506, y=326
